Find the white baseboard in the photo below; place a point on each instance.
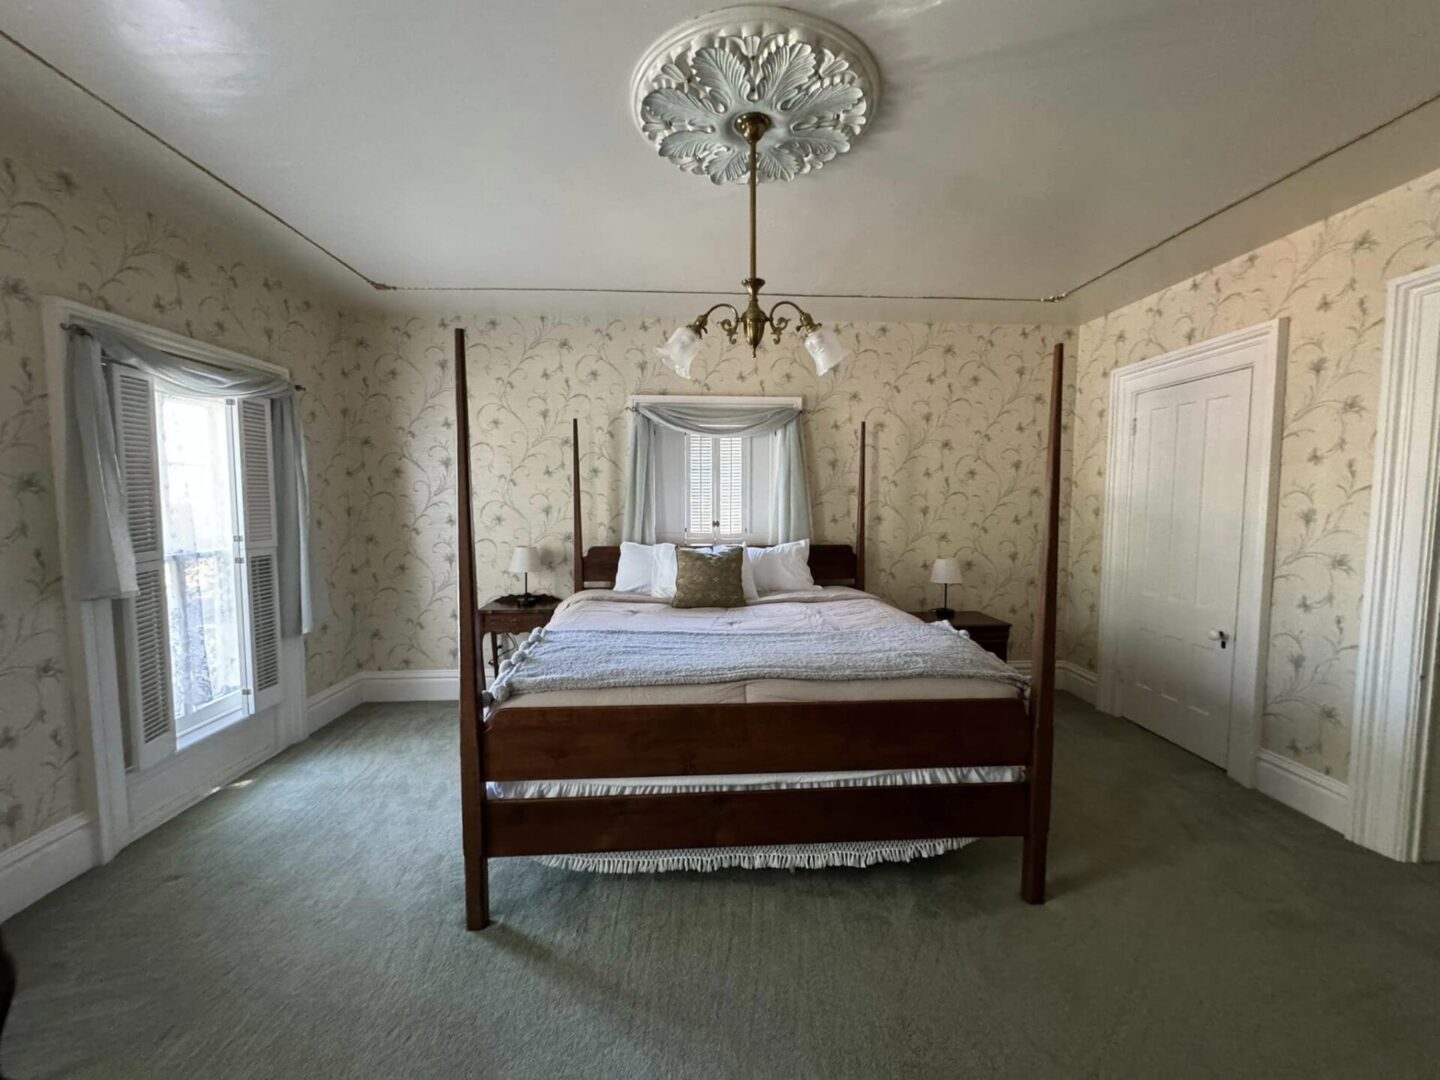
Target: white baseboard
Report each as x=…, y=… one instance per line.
x=435, y=685
x=44, y=862
x=1314, y=794
x=428, y=685
x=1070, y=677
x=334, y=702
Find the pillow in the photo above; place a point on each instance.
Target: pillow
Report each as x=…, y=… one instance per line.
x=709, y=577
x=636, y=571
x=647, y=569
x=782, y=568
x=747, y=577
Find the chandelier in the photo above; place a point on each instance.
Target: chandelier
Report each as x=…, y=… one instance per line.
x=824, y=345
x=754, y=93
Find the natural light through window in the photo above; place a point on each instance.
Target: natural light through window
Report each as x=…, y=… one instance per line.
x=196, y=449
x=716, y=484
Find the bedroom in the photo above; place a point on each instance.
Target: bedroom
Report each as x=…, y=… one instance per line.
x=323, y=209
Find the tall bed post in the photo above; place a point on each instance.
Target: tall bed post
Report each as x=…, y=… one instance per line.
x=860, y=516
x=1042, y=667
x=575, y=493
x=472, y=746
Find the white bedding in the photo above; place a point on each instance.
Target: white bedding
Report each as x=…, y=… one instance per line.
x=831, y=608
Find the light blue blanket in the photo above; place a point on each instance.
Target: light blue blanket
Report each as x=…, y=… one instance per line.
x=599, y=659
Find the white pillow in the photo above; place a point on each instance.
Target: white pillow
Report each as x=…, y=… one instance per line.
x=781, y=568
x=636, y=572
x=747, y=576
x=663, y=584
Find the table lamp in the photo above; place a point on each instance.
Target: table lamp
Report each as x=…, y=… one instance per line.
x=945, y=572
x=526, y=561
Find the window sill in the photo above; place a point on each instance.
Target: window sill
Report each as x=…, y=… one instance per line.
x=211, y=727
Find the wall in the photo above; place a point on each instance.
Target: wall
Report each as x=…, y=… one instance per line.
x=1329, y=279
x=956, y=418
x=69, y=229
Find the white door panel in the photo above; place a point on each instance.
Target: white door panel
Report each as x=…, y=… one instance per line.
x=1188, y=473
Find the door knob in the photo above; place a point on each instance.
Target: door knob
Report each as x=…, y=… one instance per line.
x=1220, y=636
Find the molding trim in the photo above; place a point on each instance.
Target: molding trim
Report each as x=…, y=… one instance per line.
x=1390, y=733
x=1069, y=676
x=1262, y=350
x=1314, y=794
x=42, y=863
x=334, y=702
x=437, y=684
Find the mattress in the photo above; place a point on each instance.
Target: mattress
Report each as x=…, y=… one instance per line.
x=832, y=608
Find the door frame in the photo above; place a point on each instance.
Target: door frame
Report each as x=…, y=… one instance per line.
x=1235, y=351
x=1394, y=695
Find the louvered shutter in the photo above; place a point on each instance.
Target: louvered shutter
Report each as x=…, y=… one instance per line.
x=700, y=510
x=144, y=619
x=257, y=486
x=730, y=487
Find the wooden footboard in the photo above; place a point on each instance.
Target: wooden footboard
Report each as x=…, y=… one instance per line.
x=577, y=743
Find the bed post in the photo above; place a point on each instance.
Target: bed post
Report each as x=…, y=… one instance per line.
x=860, y=516
x=1042, y=667
x=472, y=747
x=575, y=495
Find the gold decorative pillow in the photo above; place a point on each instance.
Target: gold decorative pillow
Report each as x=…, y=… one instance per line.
x=709, y=577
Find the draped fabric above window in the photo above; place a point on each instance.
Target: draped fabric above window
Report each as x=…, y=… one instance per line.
x=789, y=517
x=102, y=560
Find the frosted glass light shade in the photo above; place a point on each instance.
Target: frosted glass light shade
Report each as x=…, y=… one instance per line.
x=946, y=572
x=525, y=560
x=679, y=352
x=827, y=349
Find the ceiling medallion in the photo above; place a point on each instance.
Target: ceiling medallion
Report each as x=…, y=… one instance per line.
x=814, y=82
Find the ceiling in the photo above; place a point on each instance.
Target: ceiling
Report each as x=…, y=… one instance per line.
x=1020, y=148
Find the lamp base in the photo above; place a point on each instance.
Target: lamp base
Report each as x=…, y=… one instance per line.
x=944, y=613
x=527, y=600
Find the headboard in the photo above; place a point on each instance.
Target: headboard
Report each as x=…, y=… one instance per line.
x=830, y=564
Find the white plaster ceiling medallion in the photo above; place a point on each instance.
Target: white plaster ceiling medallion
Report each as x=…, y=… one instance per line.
x=814, y=80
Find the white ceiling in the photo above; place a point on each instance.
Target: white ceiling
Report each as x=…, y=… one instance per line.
x=1020, y=149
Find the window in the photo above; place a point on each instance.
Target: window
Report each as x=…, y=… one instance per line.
x=715, y=476
x=199, y=641
x=195, y=445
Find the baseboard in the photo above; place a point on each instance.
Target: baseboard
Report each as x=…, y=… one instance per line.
x=1314, y=794
x=334, y=702
x=44, y=862
x=433, y=685
x=1070, y=677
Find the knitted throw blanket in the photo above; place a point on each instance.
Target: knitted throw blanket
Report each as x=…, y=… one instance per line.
x=598, y=659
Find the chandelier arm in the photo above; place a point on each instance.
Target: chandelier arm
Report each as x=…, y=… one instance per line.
x=807, y=324
x=699, y=324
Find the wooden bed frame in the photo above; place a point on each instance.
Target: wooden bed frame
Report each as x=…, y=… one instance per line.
x=566, y=743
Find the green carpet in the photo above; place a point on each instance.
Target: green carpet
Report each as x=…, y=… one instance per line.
x=307, y=922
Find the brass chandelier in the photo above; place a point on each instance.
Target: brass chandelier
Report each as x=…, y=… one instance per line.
x=823, y=344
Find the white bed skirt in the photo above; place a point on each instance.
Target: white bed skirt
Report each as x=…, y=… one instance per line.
x=780, y=857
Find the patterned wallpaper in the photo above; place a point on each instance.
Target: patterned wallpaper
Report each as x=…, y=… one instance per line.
x=76, y=233
x=1329, y=279
x=956, y=421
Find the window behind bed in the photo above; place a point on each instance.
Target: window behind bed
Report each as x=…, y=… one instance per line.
x=713, y=489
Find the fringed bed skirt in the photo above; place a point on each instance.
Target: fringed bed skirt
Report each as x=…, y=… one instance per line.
x=780, y=857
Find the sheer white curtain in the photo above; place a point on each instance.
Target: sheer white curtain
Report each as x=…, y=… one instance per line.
x=102, y=565
x=789, y=489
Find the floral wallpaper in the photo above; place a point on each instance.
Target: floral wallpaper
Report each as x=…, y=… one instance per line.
x=1330, y=280
x=76, y=233
x=956, y=420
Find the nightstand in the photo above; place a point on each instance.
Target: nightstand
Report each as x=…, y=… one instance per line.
x=985, y=630
x=504, y=615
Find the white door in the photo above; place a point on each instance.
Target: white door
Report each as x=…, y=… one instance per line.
x=1186, y=511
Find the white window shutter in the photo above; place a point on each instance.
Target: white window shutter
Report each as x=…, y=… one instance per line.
x=700, y=509
x=144, y=618
x=730, y=487
x=257, y=486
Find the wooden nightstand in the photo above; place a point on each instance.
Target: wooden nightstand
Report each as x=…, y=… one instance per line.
x=504, y=615
x=985, y=630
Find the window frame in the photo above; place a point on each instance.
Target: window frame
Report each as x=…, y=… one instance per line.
x=125, y=805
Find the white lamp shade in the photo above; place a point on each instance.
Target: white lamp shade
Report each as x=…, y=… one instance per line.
x=679, y=352
x=826, y=349
x=946, y=572
x=525, y=560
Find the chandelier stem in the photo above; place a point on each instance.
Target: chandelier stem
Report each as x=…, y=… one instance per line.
x=753, y=135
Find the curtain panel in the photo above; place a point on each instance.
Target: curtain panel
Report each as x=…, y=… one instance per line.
x=789, y=489
x=101, y=559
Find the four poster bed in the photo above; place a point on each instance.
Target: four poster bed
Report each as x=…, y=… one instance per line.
x=946, y=758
